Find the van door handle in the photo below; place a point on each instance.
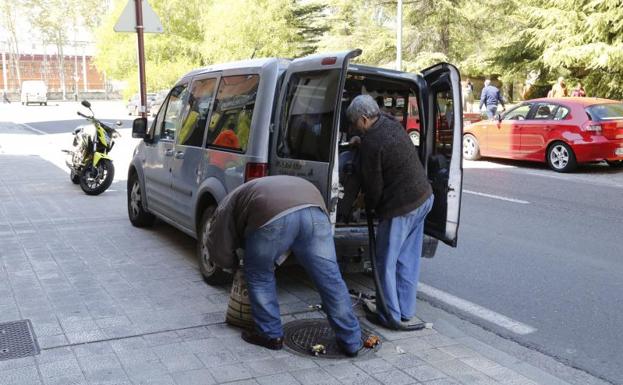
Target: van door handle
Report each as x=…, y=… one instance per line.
x=169, y=152
x=179, y=155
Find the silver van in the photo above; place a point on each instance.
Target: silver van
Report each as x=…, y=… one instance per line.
x=223, y=125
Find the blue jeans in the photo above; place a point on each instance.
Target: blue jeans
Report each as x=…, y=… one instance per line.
x=307, y=232
x=491, y=110
x=398, y=251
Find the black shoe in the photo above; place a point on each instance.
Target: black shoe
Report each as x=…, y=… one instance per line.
x=348, y=353
x=255, y=338
x=376, y=320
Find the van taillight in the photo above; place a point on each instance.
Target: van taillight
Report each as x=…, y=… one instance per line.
x=328, y=61
x=255, y=170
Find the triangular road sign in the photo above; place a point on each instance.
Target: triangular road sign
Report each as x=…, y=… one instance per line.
x=127, y=20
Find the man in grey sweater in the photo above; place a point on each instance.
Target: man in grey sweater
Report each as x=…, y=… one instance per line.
x=268, y=217
x=396, y=187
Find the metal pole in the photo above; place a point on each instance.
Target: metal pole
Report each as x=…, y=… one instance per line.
x=84, y=71
x=399, y=37
x=4, y=71
x=141, y=55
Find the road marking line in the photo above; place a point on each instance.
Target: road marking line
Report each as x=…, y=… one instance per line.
x=28, y=126
x=476, y=310
x=497, y=197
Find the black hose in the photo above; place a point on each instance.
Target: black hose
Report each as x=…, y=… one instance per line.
x=380, y=296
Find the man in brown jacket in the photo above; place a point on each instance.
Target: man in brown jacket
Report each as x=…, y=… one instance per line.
x=268, y=217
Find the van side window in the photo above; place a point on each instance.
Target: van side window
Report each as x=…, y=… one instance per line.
x=172, y=116
x=199, y=101
x=307, y=124
x=154, y=130
x=444, y=123
x=230, y=122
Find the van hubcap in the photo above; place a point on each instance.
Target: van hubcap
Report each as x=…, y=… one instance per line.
x=559, y=156
x=135, y=199
x=208, y=265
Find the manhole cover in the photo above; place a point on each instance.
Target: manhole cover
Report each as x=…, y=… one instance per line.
x=17, y=340
x=301, y=335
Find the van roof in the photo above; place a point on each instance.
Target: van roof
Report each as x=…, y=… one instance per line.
x=249, y=63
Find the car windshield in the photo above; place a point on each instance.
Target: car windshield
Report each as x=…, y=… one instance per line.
x=610, y=111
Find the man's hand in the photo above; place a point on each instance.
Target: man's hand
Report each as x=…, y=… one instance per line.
x=355, y=141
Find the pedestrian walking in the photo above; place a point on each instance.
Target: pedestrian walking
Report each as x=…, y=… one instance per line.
x=468, y=96
x=579, y=91
x=5, y=98
x=397, y=189
x=559, y=90
x=267, y=217
x=489, y=98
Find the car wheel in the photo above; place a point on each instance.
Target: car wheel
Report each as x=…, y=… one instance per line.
x=471, y=149
x=415, y=137
x=136, y=212
x=212, y=274
x=615, y=163
x=560, y=157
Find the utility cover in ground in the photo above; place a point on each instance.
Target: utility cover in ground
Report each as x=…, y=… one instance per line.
x=127, y=20
x=17, y=340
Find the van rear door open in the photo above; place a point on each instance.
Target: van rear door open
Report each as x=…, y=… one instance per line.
x=307, y=122
x=443, y=147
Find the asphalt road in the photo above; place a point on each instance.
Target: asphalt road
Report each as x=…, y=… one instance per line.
x=548, y=254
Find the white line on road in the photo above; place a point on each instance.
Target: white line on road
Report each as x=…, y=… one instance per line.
x=28, y=126
x=476, y=310
x=497, y=197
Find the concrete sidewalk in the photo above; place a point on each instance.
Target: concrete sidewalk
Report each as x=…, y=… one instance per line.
x=113, y=304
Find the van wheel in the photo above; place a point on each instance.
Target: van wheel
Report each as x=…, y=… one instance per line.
x=471, y=149
x=560, y=157
x=136, y=212
x=212, y=274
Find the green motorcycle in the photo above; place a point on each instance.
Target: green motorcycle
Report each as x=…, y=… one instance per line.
x=89, y=162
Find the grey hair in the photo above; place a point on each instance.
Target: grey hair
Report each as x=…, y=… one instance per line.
x=362, y=105
x=487, y=82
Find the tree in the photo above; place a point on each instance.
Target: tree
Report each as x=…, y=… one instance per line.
x=580, y=39
x=243, y=29
x=8, y=13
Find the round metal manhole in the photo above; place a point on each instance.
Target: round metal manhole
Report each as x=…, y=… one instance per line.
x=301, y=335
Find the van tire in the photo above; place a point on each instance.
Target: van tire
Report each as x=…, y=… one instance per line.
x=139, y=217
x=212, y=274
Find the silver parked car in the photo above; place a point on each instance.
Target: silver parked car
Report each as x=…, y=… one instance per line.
x=223, y=125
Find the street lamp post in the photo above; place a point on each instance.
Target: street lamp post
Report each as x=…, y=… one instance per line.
x=399, y=37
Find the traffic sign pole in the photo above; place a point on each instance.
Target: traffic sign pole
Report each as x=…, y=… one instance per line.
x=141, y=57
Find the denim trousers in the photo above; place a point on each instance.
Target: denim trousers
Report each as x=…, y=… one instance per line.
x=491, y=110
x=398, y=252
x=307, y=232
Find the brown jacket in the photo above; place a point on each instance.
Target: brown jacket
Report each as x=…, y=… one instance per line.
x=252, y=205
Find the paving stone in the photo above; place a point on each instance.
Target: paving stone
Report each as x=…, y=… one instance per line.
x=360, y=380
x=402, y=361
x=20, y=376
x=443, y=381
x=425, y=372
x=433, y=355
x=394, y=377
x=278, y=379
x=163, y=379
x=61, y=368
x=77, y=379
x=94, y=348
x=344, y=370
x=374, y=365
x=194, y=377
x=182, y=363
x=458, y=351
x=314, y=377
x=56, y=354
x=17, y=363
x=230, y=373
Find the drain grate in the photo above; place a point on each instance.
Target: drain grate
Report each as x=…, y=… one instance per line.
x=301, y=335
x=17, y=340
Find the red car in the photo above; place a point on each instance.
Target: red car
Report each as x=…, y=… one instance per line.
x=559, y=131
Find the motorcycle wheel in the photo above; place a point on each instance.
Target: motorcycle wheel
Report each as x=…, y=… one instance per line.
x=75, y=178
x=95, y=180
